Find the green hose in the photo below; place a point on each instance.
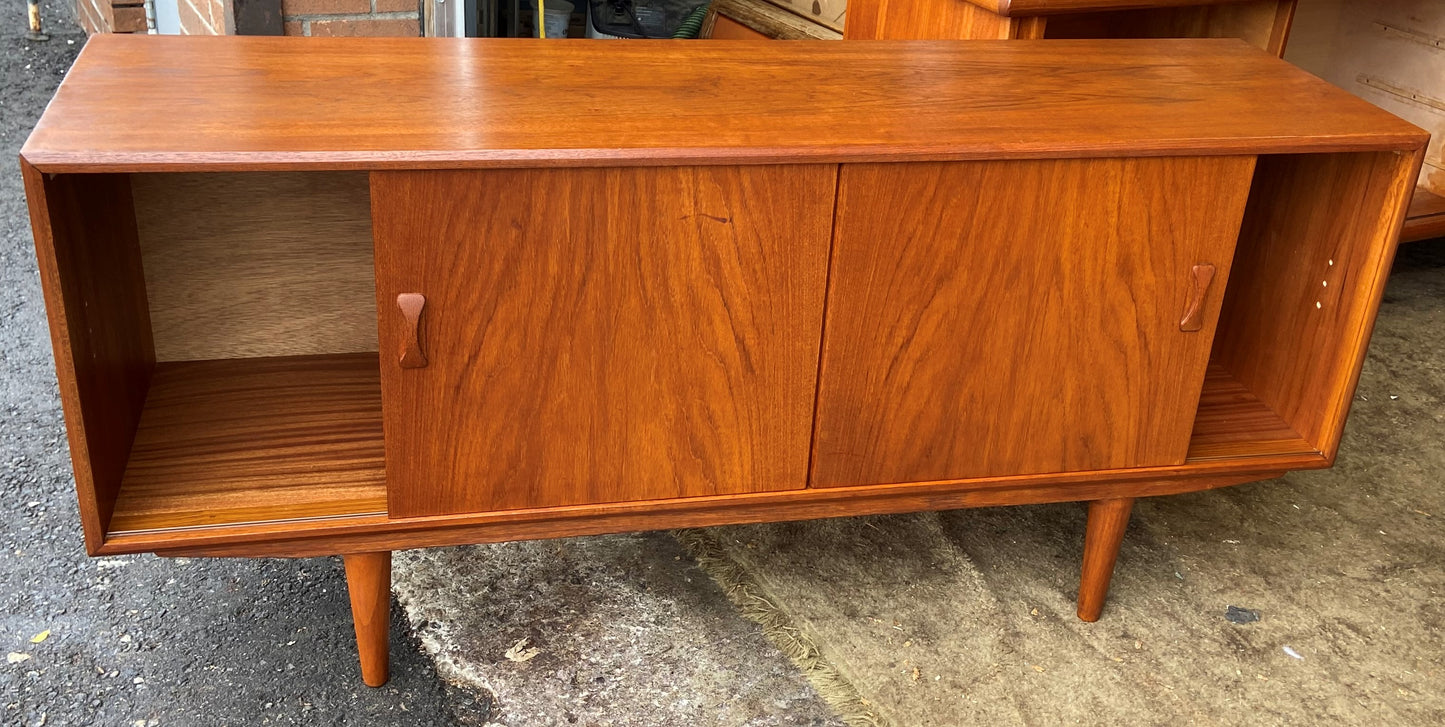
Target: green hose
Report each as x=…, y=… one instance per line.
x=693, y=23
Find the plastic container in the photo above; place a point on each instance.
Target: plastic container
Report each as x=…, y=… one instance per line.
x=558, y=15
x=637, y=18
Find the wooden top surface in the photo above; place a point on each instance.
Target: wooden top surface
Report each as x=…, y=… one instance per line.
x=162, y=103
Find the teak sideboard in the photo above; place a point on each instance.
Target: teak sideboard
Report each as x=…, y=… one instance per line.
x=335, y=296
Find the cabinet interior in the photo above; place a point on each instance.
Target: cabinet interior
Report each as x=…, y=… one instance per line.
x=248, y=388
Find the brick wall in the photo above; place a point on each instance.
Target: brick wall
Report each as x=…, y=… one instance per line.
x=302, y=17
x=111, y=16
x=352, y=17
x=205, y=17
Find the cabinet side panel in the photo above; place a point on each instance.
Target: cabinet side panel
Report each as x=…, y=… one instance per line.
x=90, y=269
x=598, y=335
x=1314, y=253
x=1011, y=318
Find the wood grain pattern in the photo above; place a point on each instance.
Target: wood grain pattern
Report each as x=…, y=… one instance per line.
x=768, y=21
x=1232, y=423
x=1108, y=519
x=319, y=103
x=602, y=335
x=368, y=582
x=1234, y=430
x=719, y=27
x=825, y=12
x=993, y=318
x=1261, y=23
x=1426, y=217
x=237, y=441
x=255, y=265
x=1297, y=317
x=90, y=271
x=925, y=20
x=361, y=536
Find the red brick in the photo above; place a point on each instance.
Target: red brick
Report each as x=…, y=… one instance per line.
x=399, y=27
x=192, y=23
x=324, y=7
x=91, y=18
x=293, y=27
x=396, y=6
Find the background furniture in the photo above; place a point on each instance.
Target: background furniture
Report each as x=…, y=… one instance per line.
x=808, y=280
x=1264, y=23
x=1392, y=54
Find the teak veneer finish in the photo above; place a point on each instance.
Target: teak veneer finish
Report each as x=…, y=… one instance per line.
x=654, y=332
x=235, y=441
x=808, y=280
x=911, y=256
x=486, y=104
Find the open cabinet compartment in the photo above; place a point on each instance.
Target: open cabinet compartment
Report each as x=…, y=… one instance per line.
x=222, y=333
x=1314, y=251
x=221, y=329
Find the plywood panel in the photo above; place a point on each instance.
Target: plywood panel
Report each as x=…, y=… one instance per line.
x=991, y=318
x=257, y=264
x=766, y=19
x=1314, y=252
x=1390, y=53
x=824, y=12
x=600, y=335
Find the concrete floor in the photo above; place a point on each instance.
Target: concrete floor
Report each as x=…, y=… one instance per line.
x=931, y=619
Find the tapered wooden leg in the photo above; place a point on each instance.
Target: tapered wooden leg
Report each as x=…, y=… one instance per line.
x=1102, y=537
x=368, y=579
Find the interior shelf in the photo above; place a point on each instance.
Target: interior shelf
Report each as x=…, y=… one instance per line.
x=243, y=441
x=251, y=440
x=1233, y=422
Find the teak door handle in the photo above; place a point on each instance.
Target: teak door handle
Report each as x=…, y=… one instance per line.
x=411, y=305
x=1193, y=319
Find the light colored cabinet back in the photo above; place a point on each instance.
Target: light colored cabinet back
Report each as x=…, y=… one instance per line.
x=252, y=264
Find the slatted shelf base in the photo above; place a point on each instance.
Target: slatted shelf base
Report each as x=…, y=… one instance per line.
x=240, y=441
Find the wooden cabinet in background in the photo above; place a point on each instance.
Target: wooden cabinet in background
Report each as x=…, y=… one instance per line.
x=1262, y=23
x=814, y=280
x=1392, y=54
